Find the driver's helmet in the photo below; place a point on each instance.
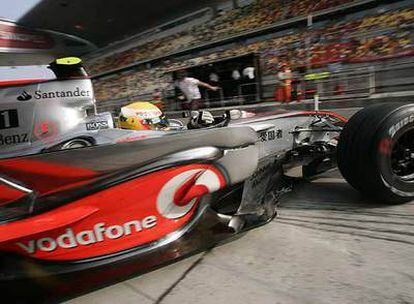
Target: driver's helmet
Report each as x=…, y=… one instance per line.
x=142, y=116
x=68, y=68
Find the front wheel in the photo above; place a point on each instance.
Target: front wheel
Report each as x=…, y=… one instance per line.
x=376, y=152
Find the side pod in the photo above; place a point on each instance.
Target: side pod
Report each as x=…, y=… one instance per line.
x=119, y=210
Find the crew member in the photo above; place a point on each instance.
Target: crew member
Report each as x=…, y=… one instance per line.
x=249, y=84
x=190, y=88
x=284, y=91
x=214, y=79
x=236, y=82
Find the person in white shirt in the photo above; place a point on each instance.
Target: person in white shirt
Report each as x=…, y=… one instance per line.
x=248, y=72
x=235, y=74
x=236, y=81
x=249, y=87
x=190, y=88
x=214, y=77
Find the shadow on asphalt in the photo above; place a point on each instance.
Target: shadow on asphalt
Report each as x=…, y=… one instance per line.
x=329, y=192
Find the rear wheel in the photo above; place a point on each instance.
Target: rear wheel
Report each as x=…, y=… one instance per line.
x=376, y=152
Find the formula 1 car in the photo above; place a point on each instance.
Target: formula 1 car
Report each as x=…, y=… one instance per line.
x=73, y=220
x=55, y=114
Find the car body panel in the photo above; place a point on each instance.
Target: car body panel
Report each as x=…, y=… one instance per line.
x=135, y=199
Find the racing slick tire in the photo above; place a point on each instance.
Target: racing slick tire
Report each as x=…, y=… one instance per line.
x=376, y=152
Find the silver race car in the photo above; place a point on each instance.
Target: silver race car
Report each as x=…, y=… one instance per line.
x=141, y=199
x=55, y=114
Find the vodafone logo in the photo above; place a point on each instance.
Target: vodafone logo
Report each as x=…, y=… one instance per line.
x=164, y=208
x=173, y=202
x=99, y=233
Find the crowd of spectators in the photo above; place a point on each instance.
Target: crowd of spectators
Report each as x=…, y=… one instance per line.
x=368, y=38
x=131, y=83
x=259, y=14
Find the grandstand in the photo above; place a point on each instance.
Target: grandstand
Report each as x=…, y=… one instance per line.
x=342, y=36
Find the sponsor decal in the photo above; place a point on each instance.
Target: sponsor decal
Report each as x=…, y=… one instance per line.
x=172, y=205
x=148, y=114
x=77, y=92
x=46, y=131
x=146, y=209
x=131, y=138
x=97, y=125
x=141, y=113
x=99, y=233
x=24, y=96
x=271, y=135
x=14, y=139
x=399, y=125
x=9, y=119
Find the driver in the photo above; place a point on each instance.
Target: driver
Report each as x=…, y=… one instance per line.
x=146, y=116
x=142, y=116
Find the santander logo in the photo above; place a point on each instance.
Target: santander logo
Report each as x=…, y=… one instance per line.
x=180, y=193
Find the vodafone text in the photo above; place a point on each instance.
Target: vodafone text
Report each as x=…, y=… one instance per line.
x=99, y=233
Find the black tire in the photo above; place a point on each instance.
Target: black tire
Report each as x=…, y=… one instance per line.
x=376, y=152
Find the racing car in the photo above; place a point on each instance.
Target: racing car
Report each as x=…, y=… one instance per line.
x=72, y=220
x=55, y=114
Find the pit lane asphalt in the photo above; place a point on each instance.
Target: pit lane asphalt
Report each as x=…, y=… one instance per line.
x=327, y=245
